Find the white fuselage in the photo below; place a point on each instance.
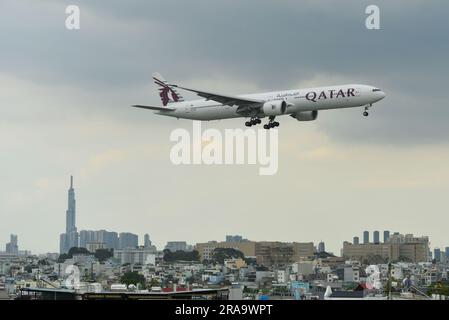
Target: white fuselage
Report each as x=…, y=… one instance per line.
x=300, y=100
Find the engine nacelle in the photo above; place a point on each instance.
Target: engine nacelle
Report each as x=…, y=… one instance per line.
x=274, y=108
x=305, y=115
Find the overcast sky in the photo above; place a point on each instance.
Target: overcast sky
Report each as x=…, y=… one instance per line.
x=65, y=99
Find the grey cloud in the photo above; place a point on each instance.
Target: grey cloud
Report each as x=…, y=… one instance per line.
x=273, y=44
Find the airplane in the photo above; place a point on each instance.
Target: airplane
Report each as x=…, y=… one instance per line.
x=300, y=104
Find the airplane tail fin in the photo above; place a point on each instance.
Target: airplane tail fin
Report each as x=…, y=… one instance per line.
x=167, y=92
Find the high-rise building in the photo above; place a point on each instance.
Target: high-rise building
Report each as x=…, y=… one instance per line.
x=376, y=238
x=386, y=236
x=399, y=248
x=69, y=239
x=86, y=236
x=236, y=238
x=267, y=253
x=147, y=241
x=355, y=240
x=446, y=251
x=12, y=246
x=321, y=247
x=128, y=240
x=443, y=257
x=365, y=237
x=174, y=246
x=109, y=239
x=437, y=254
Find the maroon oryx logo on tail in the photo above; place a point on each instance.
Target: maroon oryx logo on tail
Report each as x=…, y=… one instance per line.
x=167, y=93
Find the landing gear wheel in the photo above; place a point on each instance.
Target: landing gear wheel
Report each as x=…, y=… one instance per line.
x=366, y=110
x=271, y=123
x=252, y=122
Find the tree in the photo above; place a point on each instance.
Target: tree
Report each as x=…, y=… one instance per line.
x=376, y=259
x=104, y=254
x=250, y=260
x=28, y=268
x=43, y=262
x=133, y=278
x=76, y=250
x=72, y=251
x=181, y=256
x=62, y=257
x=439, y=288
x=154, y=283
x=323, y=255
x=220, y=254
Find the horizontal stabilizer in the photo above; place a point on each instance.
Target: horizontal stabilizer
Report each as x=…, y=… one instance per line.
x=154, y=108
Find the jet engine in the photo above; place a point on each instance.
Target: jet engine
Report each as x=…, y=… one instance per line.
x=305, y=115
x=274, y=108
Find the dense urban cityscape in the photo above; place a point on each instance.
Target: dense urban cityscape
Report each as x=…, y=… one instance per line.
x=101, y=264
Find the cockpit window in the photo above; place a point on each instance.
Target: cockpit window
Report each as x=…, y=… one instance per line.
x=376, y=90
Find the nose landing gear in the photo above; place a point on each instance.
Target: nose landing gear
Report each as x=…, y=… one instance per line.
x=365, y=113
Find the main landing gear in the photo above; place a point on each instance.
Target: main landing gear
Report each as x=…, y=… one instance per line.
x=253, y=122
x=365, y=113
x=271, y=124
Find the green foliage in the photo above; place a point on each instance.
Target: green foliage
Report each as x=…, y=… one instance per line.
x=62, y=257
x=250, y=261
x=323, y=255
x=72, y=251
x=439, y=288
x=375, y=259
x=43, y=262
x=133, y=278
x=154, y=283
x=76, y=250
x=181, y=256
x=104, y=254
x=261, y=268
x=220, y=254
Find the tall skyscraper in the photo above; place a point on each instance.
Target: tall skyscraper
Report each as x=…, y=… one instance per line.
x=71, y=210
x=109, y=239
x=365, y=237
x=437, y=254
x=355, y=240
x=69, y=239
x=446, y=251
x=128, y=240
x=321, y=247
x=147, y=241
x=236, y=238
x=386, y=236
x=376, y=237
x=12, y=246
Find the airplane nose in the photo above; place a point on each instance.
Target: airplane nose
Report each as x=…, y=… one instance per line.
x=382, y=94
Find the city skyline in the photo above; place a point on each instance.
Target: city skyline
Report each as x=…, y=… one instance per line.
x=69, y=93
x=128, y=237
x=368, y=236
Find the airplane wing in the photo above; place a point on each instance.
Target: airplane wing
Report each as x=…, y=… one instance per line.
x=154, y=108
x=225, y=99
